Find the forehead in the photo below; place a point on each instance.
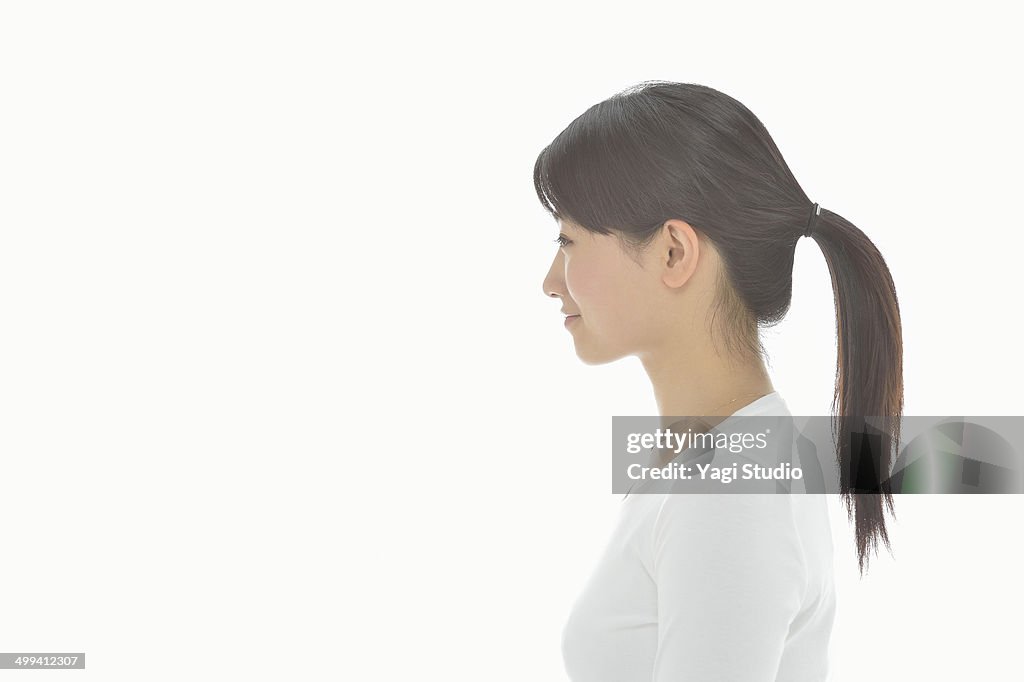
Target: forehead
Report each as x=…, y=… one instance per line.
x=567, y=224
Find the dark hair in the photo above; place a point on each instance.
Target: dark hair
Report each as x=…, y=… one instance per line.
x=662, y=150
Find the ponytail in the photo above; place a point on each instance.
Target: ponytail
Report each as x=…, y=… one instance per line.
x=869, y=377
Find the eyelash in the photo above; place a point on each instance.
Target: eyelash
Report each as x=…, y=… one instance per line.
x=562, y=241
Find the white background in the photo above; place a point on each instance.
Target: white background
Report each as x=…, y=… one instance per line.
x=281, y=395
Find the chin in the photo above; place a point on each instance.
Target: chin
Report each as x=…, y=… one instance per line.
x=592, y=356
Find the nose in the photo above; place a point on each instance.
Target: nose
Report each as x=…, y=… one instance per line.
x=554, y=281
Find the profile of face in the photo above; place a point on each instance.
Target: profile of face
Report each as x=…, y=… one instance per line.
x=624, y=307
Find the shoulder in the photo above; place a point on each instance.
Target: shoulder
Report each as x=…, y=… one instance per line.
x=727, y=510
x=737, y=532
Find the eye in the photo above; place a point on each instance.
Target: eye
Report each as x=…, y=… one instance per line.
x=562, y=240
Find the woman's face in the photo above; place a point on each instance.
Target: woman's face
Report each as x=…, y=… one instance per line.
x=617, y=301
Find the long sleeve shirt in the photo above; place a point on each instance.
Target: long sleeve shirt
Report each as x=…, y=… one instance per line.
x=704, y=587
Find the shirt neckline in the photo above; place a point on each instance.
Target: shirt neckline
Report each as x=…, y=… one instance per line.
x=759, y=406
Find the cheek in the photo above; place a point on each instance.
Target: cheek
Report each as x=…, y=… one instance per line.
x=600, y=288
x=578, y=280
x=586, y=280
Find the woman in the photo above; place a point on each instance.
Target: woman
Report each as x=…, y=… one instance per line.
x=678, y=221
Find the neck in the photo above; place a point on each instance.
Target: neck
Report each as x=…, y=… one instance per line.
x=704, y=384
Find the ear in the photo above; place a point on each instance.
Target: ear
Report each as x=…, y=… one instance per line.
x=678, y=252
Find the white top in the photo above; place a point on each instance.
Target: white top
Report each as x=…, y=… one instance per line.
x=702, y=587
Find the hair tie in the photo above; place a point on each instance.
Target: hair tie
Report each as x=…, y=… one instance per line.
x=812, y=221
